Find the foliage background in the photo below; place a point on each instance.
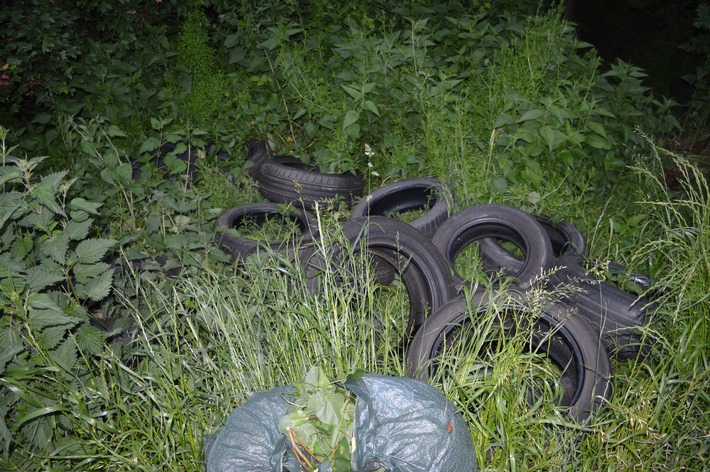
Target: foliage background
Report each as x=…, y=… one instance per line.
x=129, y=337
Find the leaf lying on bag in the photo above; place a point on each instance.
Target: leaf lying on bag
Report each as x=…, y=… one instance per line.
x=319, y=422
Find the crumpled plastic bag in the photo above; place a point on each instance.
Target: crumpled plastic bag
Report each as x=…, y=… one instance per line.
x=400, y=424
x=405, y=425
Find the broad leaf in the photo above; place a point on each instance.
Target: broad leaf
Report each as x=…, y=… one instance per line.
x=114, y=131
x=97, y=288
x=531, y=115
x=56, y=247
x=11, y=206
x=46, y=191
x=86, y=272
x=350, y=119
x=53, y=335
x=65, y=355
x=149, y=145
x=42, y=276
x=92, y=250
x=45, y=310
x=90, y=339
x=76, y=231
x=12, y=345
x=85, y=205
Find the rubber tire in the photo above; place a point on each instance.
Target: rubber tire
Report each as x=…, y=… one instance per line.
x=566, y=239
x=285, y=179
x=423, y=270
x=613, y=314
x=500, y=222
x=240, y=247
x=258, y=153
x=408, y=195
x=572, y=342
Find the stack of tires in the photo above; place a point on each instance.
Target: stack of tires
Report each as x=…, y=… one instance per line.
x=589, y=322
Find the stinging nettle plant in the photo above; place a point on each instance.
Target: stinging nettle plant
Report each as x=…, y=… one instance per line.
x=52, y=276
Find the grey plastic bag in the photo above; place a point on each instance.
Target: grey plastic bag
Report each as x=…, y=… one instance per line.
x=405, y=425
x=400, y=424
x=249, y=440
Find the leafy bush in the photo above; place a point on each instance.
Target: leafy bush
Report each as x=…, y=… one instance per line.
x=52, y=281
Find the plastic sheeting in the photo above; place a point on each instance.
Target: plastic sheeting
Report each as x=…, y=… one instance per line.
x=400, y=425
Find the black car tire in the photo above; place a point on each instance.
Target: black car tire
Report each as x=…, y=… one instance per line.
x=501, y=222
x=422, y=269
x=241, y=247
x=566, y=340
x=258, y=153
x=423, y=193
x=566, y=239
x=285, y=179
x=613, y=314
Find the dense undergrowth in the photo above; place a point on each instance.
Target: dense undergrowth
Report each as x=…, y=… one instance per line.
x=126, y=334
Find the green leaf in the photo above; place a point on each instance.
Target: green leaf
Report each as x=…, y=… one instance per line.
x=45, y=310
x=597, y=142
x=40, y=412
x=65, y=355
x=502, y=120
x=86, y=272
x=92, y=250
x=76, y=230
x=41, y=277
x=554, y=138
x=149, y=145
x=123, y=173
x=90, y=339
x=328, y=406
x=53, y=335
x=12, y=345
x=114, y=131
x=85, y=205
x=11, y=206
x=97, y=288
x=46, y=191
x=350, y=119
x=371, y=107
x=355, y=93
x=10, y=175
x=531, y=115
x=56, y=247
x=597, y=128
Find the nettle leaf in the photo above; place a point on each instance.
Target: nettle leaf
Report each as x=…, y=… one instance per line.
x=114, y=131
x=597, y=128
x=65, y=355
x=123, y=173
x=554, y=138
x=42, y=276
x=351, y=117
x=11, y=266
x=97, y=288
x=11, y=206
x=51, y=326
x=531, y=115
x=10, y=174
x=85, y=205
x=90, y=339
x=12, y=344
x=55, y=247
x=92, y=250
x=53, y=335
x=46, y=191
x=43, y=302
x=86, y=272
x=78, y=230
